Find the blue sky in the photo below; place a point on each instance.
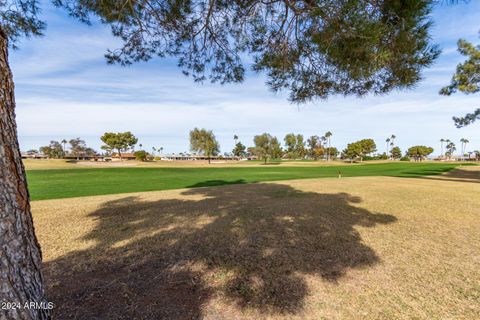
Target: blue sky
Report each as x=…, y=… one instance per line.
x=65, y=89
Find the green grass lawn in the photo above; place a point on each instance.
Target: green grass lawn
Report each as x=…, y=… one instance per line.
x=55, y=184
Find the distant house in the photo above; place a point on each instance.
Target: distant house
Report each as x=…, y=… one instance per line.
x=96, y=157
x=194, y=157
x=125, y=156
x=85, y=157
x=26, y=155
x=172, y=157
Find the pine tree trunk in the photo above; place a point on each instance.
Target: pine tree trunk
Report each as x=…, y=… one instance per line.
x=20, y=257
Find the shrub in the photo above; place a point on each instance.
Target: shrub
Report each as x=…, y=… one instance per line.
x=382, y=156
x=141, y=155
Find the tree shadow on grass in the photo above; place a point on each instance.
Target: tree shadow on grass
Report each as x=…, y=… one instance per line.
x=248, y=245
x=455, y=175
x=421, y=172
x=215, y=183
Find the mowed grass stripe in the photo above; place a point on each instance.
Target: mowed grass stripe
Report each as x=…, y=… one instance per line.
x=67, y=183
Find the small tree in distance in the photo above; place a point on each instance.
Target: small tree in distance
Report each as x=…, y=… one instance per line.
x=121, y=141
x=359, y=149
x=54, y=150
x=239, y=150
x=77, y=147
x=442, y=141
x=331, y=152
x=64, y=142
x=418, y=153
x=328, y=136
x=141, y=155
x=477, y=154
x=204, y=142
x=266, y=147
x=295, y=146
x=89, y=152
x=464, y=142
x=396, y=153
x=315, y=147
x=450, y=149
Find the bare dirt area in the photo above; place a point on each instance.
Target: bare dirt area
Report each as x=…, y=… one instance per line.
x=350, y=248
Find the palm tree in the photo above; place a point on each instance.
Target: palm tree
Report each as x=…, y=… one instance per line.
x=153, y=151
x=447, y=143
x=441, y=146
x=235, y=139
x=328, y=134
x=64, y=142
x=323, y=140
x=393, y=137
x=450, y=148
x=462, y=140
x=392, y=143
x=464, y=146
x=388, y=144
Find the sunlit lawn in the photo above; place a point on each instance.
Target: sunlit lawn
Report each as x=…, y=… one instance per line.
x=65, y=183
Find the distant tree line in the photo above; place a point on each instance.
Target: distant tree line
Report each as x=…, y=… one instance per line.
x=57, y=150
x=265, y=147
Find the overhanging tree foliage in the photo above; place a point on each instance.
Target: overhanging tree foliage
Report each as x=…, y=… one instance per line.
x=466, y=79
x=313, y=49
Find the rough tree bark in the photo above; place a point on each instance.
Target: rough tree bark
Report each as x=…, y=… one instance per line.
x=21, y=279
